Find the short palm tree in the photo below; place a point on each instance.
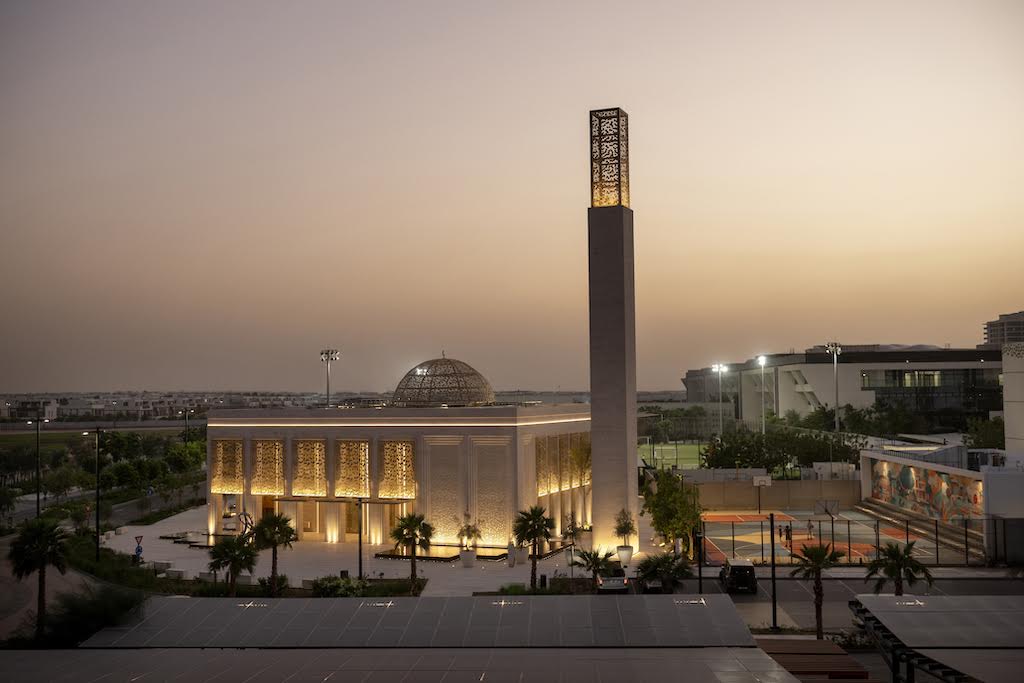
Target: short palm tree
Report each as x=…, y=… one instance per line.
x=897, y=564
x=273, y=531
x=412, y=532
x=594, y=562
x=533, y=526
x=812, y=560
x=668, y=568
x=40, y=543
x=236, y=554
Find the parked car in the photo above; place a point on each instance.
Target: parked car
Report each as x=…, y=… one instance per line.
x=738, y=575
x=613, y=581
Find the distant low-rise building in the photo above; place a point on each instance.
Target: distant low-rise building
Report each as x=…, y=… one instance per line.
x=925, y=379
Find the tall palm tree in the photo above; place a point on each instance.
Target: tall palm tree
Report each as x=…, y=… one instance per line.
x=273, y=531
x=812, y=560
x=897, y=564
x=668, y=568
x=41, y=543
x=236, y=554
x=594, y=562
x=533, y=526
x=412, y=532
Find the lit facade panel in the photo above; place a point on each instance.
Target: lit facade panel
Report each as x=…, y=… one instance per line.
x=268, y=468
x=609, y=158
x=492, y=494
x=352, y=470
x=310, y=476
x=228, y=475
x=398, y=471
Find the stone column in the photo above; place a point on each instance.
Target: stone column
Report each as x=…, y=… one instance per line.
x=612, y=370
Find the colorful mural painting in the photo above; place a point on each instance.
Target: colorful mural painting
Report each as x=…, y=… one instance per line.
x=926, y=491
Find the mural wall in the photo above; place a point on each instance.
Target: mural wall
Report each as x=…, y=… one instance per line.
x=926, y=491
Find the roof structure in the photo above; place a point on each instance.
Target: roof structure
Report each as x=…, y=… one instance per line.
x=953, y=638
x=443, y=382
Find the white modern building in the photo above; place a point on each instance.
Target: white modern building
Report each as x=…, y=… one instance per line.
x=923, y=378
x=442, y=449
x=1013, y=398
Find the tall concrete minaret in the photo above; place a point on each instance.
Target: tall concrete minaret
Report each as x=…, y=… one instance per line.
x=612, y=326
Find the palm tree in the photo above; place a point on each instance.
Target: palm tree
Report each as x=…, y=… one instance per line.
x=272, y=531
x=812, y=560
x=533, y=526
x=411, y=532
x=594, y=562
x=41, y=543
x=898, y=565
x=667, y=567
x=235, y=554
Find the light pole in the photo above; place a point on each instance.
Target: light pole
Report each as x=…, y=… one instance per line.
x=185, y=413
x=835, y=349
x=720, y=369
x=329, y=356
x=761, y=360
x=39, y=478
x=97, y=431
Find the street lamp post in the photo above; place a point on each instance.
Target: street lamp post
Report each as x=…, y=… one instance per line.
x=720, y=369
x=761, y=360
x=97, y=431
x=185, y=413
x=834, y=349
x=39, y=479
x=329, y=356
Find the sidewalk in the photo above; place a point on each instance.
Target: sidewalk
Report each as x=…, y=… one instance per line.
x=782, y=571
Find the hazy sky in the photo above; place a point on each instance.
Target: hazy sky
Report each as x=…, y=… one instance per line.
x=202, y=195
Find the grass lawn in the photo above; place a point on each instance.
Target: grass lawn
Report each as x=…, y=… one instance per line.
x=684, y=455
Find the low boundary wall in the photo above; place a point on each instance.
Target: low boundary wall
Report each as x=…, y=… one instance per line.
x=781, y=495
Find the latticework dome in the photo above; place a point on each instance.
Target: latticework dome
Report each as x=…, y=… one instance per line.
x=443, y=381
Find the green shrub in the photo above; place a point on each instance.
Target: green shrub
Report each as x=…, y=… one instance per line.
x=335, y=587
x=79, y=615
x=282, y=583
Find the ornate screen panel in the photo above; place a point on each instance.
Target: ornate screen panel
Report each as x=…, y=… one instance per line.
x=543, y=472
x=564, y=463
x=267, y=468
x=228, y=468
x=580, y=459
x=609, y=158
x=352, y=470
x=310, y=475
x=398, y=472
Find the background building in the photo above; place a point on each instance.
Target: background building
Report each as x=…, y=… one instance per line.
x=924, y=379
x=1007, y=329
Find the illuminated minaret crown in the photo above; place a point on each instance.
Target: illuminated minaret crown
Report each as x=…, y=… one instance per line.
x=612, y=326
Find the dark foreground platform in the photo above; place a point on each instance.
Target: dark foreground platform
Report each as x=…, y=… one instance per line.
x=648, y=621
x=491, y=665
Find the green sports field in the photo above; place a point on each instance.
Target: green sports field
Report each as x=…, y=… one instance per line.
x=682, y=455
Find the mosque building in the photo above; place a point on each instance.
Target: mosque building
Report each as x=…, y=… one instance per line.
x=443, y=448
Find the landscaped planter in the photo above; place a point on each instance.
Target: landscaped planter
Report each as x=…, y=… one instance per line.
x=468, y=557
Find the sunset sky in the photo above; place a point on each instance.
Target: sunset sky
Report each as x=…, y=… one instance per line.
x=202, y=195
